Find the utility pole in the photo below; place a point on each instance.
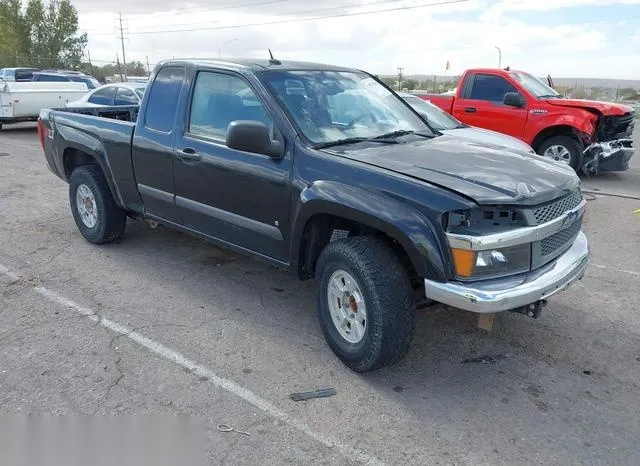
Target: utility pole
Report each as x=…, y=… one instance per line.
x=434, y=83
x=90, y=64
x=119, y=68
x=148, y=68
x=400, y=78
x=499, y=56
x=124, y=60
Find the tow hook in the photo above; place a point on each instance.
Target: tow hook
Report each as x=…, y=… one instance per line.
x=531, y=310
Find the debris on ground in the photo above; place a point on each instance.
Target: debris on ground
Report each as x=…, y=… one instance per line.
x=321, y=393
x=486, y=359
x=226, y=428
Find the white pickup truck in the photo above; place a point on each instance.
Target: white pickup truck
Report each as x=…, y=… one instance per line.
x=22, y=101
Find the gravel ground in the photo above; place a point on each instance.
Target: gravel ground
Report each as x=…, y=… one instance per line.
x=166, y=324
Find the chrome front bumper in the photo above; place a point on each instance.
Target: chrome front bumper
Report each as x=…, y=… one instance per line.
x=513, y=292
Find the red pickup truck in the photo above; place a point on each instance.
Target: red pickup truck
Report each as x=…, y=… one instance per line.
x=588, y=135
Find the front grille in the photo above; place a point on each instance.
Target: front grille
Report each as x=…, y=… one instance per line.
x=558, y=241
x=547, y=212
x=615, y=127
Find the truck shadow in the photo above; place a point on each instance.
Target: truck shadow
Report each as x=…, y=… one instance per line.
x=443, y=340
x=506, y=384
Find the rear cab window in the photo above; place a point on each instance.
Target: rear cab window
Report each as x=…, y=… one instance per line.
x=162, y=103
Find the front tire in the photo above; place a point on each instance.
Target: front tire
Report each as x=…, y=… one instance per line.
x=563, y=149
x=95, y=212
x=365, y=303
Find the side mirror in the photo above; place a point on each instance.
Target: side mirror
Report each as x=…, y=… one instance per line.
x=252, y=136
x=514, y=99
x=550, y=81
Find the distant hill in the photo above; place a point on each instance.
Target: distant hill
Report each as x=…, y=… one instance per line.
x=573, y=82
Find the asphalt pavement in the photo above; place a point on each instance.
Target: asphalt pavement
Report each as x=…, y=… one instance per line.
x=165, y=324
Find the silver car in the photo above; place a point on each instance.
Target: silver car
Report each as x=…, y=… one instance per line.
x=111, y=95
x=445, y=123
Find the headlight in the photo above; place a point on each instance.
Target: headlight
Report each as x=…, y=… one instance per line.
x=492, y=262
x=483, y=220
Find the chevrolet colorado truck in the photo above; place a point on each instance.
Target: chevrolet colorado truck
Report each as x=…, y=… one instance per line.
x=326, y=172
x=589, y=136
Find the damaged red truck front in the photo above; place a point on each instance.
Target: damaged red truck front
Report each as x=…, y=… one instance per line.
x=590, y=136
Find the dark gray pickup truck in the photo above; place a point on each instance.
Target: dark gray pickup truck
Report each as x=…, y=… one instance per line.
x=326, y=172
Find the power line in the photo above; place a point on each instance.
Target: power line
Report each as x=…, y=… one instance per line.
x=349, y=5
x=300, y=20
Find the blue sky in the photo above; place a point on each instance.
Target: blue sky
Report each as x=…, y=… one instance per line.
x=564, y=38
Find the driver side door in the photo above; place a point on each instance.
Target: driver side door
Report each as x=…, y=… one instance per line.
x=237, y=197
x=482, y=105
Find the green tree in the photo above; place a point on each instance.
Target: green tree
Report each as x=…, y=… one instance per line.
x=8, y=42
x=46, y=35
x=391, y=82
x=136, y=68
x=409, y=84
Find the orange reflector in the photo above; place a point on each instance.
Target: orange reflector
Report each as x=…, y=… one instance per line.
x=464, y=260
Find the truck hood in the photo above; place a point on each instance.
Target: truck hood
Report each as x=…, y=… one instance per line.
x=488, y=137
x=488, y=174
x=606, y=108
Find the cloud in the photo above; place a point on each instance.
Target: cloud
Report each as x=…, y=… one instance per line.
x=421, y=40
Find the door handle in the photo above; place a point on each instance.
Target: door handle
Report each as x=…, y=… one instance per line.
x=188, y=155
x=470, y=110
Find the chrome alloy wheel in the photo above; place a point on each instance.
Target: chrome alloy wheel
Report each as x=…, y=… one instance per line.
x=86, y=205
x=347, y=306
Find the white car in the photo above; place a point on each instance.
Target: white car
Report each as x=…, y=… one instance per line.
x=111, y=95
x=441, y=121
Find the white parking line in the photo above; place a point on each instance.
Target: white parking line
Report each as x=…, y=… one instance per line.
x=606, y=267
x=159, y=349
x=4, y=271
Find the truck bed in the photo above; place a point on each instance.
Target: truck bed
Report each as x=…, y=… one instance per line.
x=105, y=132
x=445, y=102
x=122, y=113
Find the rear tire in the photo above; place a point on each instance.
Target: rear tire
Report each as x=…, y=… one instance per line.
x=95, y=212
x=364, y=277
x=563, y=149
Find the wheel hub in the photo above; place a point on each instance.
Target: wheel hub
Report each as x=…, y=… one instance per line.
x=86, y=205
x=347, y=306
x=558, y=153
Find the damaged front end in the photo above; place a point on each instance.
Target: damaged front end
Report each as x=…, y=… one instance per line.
x=612, y=146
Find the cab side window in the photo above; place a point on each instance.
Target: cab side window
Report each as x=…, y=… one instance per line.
x=218, y=99
x=103, y=96
x=490, y=87
x=126, y=96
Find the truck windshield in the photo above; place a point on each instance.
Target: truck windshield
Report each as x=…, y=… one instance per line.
x=534, y=85
x=330, y=106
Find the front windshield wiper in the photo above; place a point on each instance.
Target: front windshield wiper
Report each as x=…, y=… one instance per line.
x=551, y=96
x=401, y=132
x=344, y=141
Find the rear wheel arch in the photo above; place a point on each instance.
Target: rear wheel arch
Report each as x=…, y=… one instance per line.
x=73, y=158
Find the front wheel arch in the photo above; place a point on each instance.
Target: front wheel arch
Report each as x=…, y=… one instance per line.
x=573, y=147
